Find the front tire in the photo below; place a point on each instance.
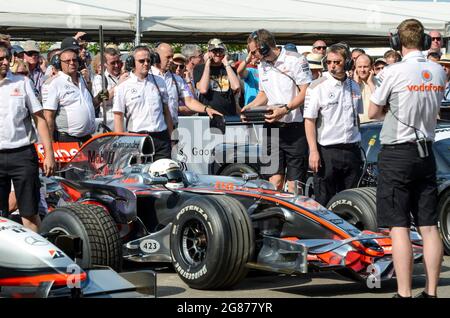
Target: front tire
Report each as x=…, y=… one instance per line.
x=444, y=219
x=356, y=206
x=211, y=242
x=95, y=227
x=237, y=170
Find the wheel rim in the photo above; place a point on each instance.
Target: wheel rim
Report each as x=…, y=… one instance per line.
x=445, y=225
x=351, y=218
x=59, y=230
x=194, y=242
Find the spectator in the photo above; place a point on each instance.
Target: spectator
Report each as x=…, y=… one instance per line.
x=434, y=56
x=149, y=115
x=248, y=72
x=406, y=164
x=111, y=77
x=436, y=42
x=357, y=52
x=315, y=64
x=179, y=64
x=334, y=100
x=291, y=47
x=379, y=65
x=21, y=68
x=319, y=47
x=216, y=81
x=392, y=56
x=32, y=53
x=283, y=77
x=445, y=62
x=18, y=158
x=194, y=57
x=364, y=76
x=17, y=54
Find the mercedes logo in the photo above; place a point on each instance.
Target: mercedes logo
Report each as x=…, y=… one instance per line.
x=35, y=241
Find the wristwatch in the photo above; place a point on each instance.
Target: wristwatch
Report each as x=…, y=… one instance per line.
x=287, y=108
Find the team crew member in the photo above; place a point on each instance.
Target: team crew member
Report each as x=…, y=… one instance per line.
x=283, y=79
x=332, y=126
x=413, y=89
x=18, y=158
x=143, y=99
x=177, y=89
x=69, y=108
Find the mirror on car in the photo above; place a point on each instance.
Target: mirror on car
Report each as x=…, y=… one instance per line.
x=155, y=180
x=250, y=176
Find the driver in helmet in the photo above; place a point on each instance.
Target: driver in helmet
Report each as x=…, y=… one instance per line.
x=169, y=169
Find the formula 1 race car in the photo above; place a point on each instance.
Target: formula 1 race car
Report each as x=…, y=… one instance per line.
x=31, y=266
x=211, y=228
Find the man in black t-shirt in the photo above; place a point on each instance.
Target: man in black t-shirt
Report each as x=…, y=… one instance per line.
x=216, y=81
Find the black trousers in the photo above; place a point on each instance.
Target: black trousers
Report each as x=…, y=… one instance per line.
x=340, y=170
x=21, y=166
x=289, y=153
x=406, y=186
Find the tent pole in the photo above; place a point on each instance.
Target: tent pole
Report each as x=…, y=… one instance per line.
x=137, y=40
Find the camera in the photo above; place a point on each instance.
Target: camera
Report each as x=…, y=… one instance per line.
x=422, y=147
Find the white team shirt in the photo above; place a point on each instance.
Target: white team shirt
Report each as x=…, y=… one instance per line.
x=141, y=103
x=414, y=89
x=174, y=84
x=336, y=106
x=277, y=81
x=111, y=82
x=17, y=103
x=75, y=113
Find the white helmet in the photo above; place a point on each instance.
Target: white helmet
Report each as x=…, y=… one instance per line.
x=168, y=169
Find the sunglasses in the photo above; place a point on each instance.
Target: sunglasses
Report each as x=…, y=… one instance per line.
x=4, y=58
x=74, y=61
x=320, y=47
x=180, y=66
x=436, y=39
x=333, y=62
x=142, y=61
x=22, y=73
x=218, y=52
x=32, y=53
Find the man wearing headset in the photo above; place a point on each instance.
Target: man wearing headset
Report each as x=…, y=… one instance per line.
x=69, y=107
x=143, y=100
x=332, y=105
x=283, y=79
x=408, y=98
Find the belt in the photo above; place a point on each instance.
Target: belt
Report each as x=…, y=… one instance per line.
x=146, y=132
x=15, y=149
x=343, y=146
x=404, y=145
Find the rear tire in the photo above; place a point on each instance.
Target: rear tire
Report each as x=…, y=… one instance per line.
x=95, y=227
x=237, y=170
x=356, y=206
x=444, y=219
x=211, y=242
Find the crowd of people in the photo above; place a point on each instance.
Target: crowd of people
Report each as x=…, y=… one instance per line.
x=315, y=101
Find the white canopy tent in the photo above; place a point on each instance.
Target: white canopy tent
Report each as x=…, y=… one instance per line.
x=363, y=22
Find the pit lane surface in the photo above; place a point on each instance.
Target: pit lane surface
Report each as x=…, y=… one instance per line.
x=268, y=285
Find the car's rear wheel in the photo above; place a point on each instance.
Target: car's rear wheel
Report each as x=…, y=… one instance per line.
x=237, y=170
x=101, y=244
x=356, y=206
x=211, y=242
x=444, y=219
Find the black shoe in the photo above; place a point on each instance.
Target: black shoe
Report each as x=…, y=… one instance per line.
x=397, y=295
x=424, y=295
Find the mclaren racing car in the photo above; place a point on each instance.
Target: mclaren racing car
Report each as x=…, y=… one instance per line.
x=212, y=229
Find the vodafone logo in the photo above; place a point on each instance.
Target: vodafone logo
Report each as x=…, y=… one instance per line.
x=426, y=76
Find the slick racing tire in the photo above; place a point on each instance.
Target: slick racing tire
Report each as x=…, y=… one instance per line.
x=444, y=219
x=356, y=206
x=211, y=242
x=237, y=170
x=96, y=229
